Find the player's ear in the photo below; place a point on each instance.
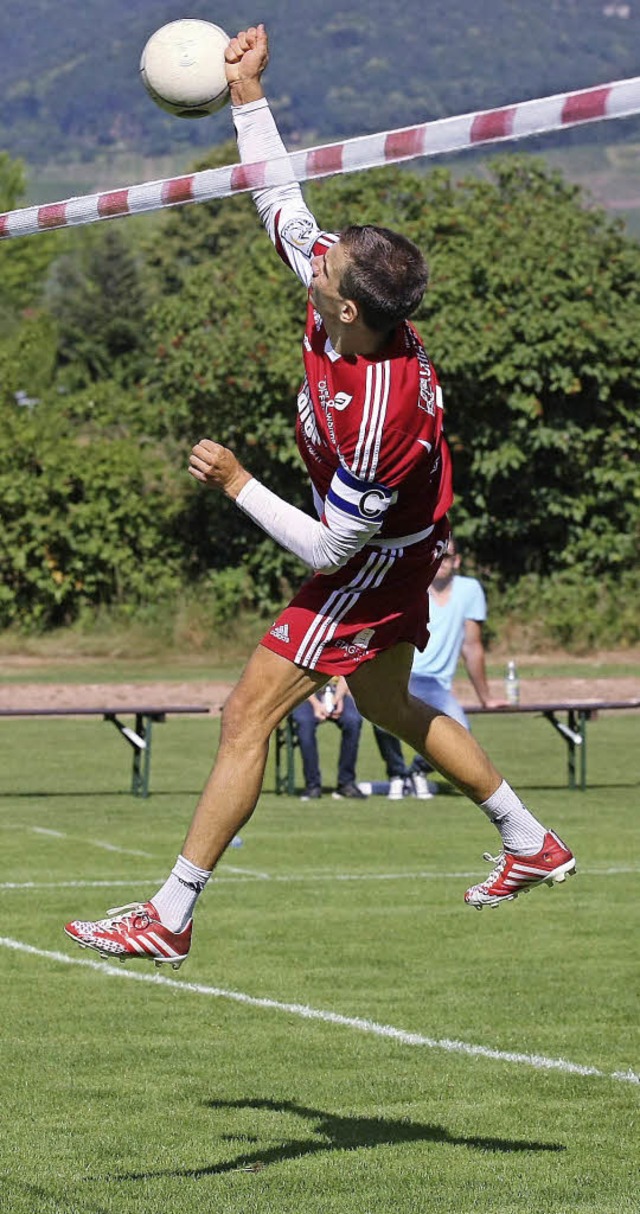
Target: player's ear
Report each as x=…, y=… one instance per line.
x=348, y=311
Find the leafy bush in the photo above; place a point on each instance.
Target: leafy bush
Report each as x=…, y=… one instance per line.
x=569, y=611
x=87, y=519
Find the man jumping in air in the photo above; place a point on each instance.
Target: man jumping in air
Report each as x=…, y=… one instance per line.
x=369, y=430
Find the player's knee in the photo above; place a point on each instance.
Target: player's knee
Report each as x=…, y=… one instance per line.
x=242, y=721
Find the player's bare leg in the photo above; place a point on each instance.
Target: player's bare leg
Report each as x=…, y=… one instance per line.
x=267, y=691
x=531, y=853
x=380, y=689
x=160, y=929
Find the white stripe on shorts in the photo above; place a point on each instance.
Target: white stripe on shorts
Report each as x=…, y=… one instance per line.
x=340, y=602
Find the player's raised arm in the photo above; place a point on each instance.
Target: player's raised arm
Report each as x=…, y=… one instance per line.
x=282, y=209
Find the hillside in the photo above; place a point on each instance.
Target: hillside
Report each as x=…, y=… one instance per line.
x=70, y=86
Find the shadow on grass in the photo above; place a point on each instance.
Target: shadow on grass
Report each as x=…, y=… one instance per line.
x=39, y=1198
x=166, y=795
x=337, y=1133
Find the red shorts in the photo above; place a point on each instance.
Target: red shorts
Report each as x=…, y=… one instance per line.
x=337, y=621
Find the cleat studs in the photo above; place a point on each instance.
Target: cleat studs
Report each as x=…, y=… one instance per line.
x=549, y=882
x=122, y=959
x=560, y=877
x=158, y=964
x=175, y=965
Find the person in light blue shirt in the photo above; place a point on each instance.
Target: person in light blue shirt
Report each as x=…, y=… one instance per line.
x=457, y=610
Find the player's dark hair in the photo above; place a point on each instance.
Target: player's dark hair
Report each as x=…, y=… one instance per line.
x=386, y=276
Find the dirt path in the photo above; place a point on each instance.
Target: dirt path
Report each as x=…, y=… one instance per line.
x=163, y=694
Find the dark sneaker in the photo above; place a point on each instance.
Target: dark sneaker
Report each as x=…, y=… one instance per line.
x=311, y=794
x=350, y=791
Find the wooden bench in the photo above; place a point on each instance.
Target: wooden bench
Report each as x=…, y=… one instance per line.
x=138, y=737
x=573, y=729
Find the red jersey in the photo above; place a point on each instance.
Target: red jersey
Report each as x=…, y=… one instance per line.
x=380, y=419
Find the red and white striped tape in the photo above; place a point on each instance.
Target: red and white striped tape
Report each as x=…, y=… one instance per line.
x=620, y=99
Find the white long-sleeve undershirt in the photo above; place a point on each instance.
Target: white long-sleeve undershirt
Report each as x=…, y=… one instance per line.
x=259, y=140
x=325, y=547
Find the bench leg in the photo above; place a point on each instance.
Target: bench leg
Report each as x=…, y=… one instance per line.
x=140, y=741
x=571, y=755
x=579, y=723
x=574, y=734
x=141, y=763
x=286, y=742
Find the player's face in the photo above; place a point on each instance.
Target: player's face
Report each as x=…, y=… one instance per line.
x=327, y=271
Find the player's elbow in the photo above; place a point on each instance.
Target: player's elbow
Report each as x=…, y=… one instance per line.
x=330, y=553
x=326, y=566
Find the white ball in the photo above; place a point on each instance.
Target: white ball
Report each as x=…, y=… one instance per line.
x=183, y=68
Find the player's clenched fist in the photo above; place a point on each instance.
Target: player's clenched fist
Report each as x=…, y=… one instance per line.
x=217, y=467
x=247, y=55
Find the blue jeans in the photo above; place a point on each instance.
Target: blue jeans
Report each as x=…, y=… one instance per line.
x=349, y=723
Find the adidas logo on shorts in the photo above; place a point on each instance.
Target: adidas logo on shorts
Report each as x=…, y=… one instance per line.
x=281, y=633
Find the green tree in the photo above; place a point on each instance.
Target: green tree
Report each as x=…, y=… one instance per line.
x=97, y=295
x=28, y=359
x=88, y=517
x=531, y=320
x=226, y=364
x=24, y=261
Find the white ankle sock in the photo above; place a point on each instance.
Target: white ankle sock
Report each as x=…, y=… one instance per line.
x=176, y=899
x=521, y=833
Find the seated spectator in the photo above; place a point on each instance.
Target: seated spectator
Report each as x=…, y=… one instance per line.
x=334, y=703
x=457, y=610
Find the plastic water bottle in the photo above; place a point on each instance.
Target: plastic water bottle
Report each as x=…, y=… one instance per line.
x=512, y=684
x=328, y=699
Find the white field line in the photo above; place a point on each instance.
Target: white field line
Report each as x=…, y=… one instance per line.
x=123, y=851
x=247, y=872
x=291, y=878
x=58, y=834
x=538, y=1061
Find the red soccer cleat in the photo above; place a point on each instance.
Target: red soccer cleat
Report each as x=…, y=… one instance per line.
x=133, y=931
x=515, y=875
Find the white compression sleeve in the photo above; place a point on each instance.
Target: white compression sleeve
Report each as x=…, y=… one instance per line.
x=259, y=139
x=320, y=547
x=279, y=206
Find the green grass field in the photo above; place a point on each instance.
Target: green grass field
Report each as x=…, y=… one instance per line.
x=261, y=1077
